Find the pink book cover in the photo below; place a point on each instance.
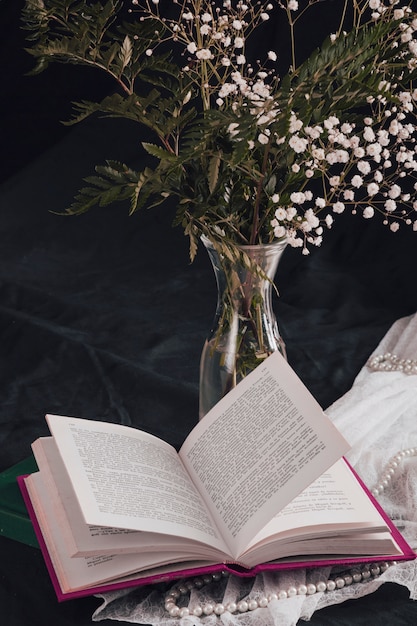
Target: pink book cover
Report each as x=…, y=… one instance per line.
x=407, y=554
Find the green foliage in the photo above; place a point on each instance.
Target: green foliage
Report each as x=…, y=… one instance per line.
x=222, y=164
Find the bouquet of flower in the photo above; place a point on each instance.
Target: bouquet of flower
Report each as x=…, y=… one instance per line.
x=248, y=152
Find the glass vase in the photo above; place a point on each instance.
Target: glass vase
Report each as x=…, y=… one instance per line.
x=245, y=329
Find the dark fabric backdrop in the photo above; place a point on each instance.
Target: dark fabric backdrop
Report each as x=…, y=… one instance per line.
x=102, y=316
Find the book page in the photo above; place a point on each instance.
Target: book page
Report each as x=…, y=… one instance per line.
x=84, y=539
x=333, y=505
x=126, y=478
x=80, y=573
x=258, y=448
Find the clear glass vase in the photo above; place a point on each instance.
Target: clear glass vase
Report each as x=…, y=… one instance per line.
x=245, y=329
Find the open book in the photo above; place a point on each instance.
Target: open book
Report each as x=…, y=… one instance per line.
x=259, y=483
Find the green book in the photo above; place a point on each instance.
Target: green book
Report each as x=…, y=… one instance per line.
x=14, y=519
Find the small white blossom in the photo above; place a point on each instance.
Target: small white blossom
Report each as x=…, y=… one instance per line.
x=368, y=212
x=390, y=206
x=357, y=181
x=394, y=192
x=298, y=144
x=364, y=167
x=203, y=54
x=291, y=213
x=272, y=56
x=280, y=214
x=263, y=139
x=372, y=189
x=338, y=207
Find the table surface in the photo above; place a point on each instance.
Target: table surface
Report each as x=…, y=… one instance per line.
x=103, y=317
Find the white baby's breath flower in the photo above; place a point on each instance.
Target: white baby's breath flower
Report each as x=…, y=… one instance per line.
x=390, y=205
x=291, y=213
x=394, y=192
x=293, y=5
x=357, y=181
x=298, y=144
x=372, y=189
x=338, y=207
x=263, y=138
x=280, y=231
x=280, y=214
x=368, y=212
x=363, y=167
x=272, y=56
x=204, y=54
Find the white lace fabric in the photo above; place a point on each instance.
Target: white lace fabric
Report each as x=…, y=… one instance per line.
x=378, y=417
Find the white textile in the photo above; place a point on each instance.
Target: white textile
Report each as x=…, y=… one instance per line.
x=378, y=417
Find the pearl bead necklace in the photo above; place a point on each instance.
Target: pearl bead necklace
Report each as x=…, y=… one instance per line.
x=392, y=363
x=357, y=575
x=390, y=469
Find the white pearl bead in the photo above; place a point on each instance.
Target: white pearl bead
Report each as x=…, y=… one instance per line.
x=184, y=612
x=340, y=583
x=311, y=589
x=219, y=609
x=231, y=607
x=321, y=586
x=242, y=606
x=252, y=605
x=331, y=585
x=208, y=608
x=302, y=590
x=282, y=595
x=197, y=611
x=174, y=612
x=272, y=597
x=263, y=602
x=291, y=591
